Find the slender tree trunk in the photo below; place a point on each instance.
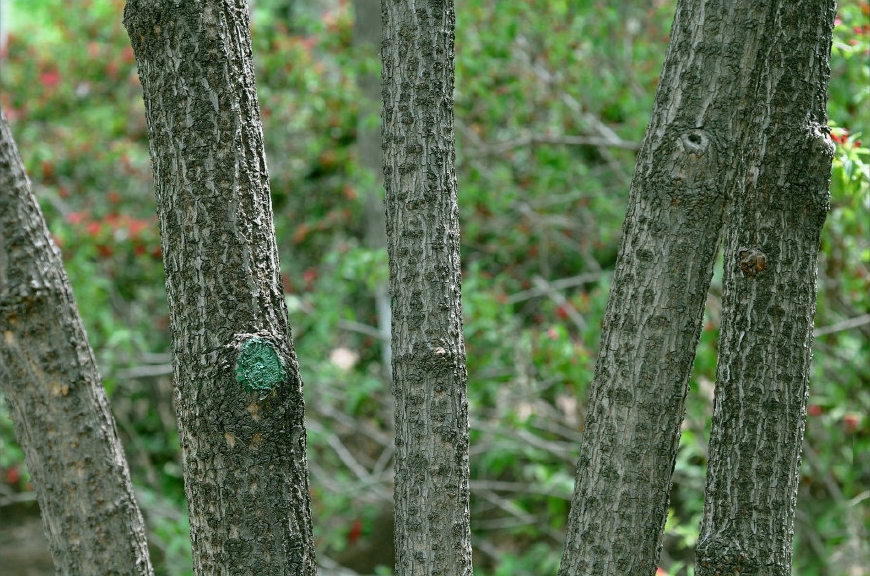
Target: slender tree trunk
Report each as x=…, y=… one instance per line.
x=431, y=461
x=56, y=398
x=697, y=151
x=238, y=389
x=780, y=199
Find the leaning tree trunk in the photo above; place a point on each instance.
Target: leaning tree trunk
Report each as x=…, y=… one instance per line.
x=56, y=398
x=238, y=390
x=701, y=144
x=779, y=202
x=429, y=374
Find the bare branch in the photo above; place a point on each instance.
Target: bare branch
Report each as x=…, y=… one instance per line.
x=848, y=324
x=571, y=282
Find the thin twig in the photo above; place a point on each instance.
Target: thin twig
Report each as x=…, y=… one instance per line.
x=145, y=371
x=548, y=139
x=514, y=487
x=365, y=329
x=844, y=325
x=561, y=284
x=9, y=499
x=560, y=301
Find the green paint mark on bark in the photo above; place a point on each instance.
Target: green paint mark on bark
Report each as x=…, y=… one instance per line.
x=259, y=369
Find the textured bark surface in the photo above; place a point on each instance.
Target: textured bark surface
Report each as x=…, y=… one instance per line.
x=695, y=154
x=56, y=399
x=780, y=199
x=245, y=465
x=431, y=460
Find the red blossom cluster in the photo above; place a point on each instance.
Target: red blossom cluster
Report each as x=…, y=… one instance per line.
x=116, y=228
x=841, y=137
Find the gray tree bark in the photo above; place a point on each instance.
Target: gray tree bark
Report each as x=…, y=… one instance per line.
x=57, y=403
x=653, y=317
x=779, y=203
x=238, y=389
x=654, y=314
x=429, y=374
x=721, y=81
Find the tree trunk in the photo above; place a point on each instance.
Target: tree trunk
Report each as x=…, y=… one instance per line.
x=56, y=398
x=780, y=199
x=704, y=123
x=238, y=389
x=431, y=460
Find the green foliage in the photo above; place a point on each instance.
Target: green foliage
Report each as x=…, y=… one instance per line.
x=541, y=213
x=169, y=533
x=14, y=473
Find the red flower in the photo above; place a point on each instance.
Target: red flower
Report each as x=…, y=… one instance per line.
x=47, y=169
x=286, y=283
x=852, y=422
x=355, y=532
x=309, y=276
x=50, y=79
x=137, y=226
x=76, y=217
x=13, y=475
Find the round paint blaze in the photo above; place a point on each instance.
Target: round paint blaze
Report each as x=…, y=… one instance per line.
x=259, y=369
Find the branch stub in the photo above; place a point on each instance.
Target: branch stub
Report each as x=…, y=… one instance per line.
x=259, y=368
